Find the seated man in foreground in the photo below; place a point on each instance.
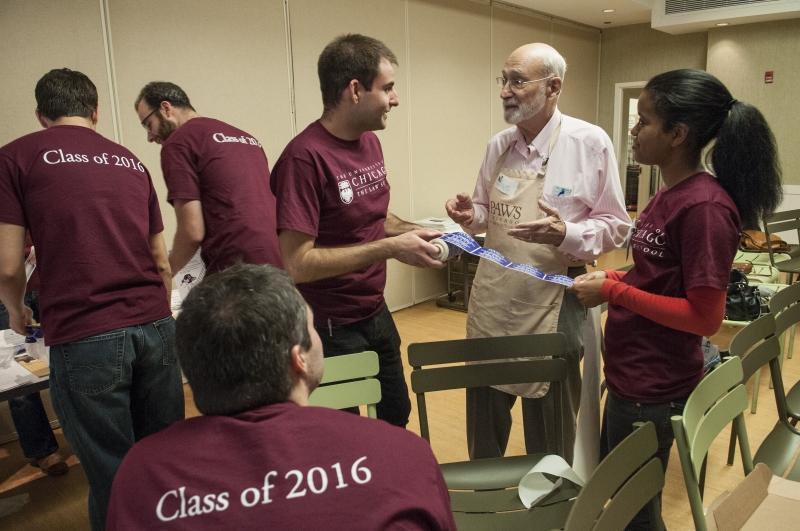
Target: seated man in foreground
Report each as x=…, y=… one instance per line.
x=260, y=459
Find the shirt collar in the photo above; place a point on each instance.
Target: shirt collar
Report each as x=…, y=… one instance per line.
x=541, y=143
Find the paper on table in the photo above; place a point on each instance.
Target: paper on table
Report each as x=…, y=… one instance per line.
x=187, y=278
x=440, y=224
x=30, y=264
x=544, y=478
x=14, y=376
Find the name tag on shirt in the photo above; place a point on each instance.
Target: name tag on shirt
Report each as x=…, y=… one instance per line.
x=506, y=185
x=560, y=191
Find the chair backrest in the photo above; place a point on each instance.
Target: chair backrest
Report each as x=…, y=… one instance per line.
x=785, y=308
x=757, y=345
x=788, y=220
x=624, y=482
x=349, y=381
x=719, y=399
x=494, y=352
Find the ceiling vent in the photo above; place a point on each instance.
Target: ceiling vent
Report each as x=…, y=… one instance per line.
x=672, y=7
x=686, y=16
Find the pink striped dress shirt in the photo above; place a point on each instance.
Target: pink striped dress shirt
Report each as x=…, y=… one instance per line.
x=582, y=182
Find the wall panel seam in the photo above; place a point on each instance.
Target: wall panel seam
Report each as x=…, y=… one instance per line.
x=599, y=66
x=290, y=67
x=491, y=102
x=105, y=22
x=412, y=210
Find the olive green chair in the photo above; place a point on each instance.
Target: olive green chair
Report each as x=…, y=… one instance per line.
x=785, y=308
x=349, y=381
x=757, y=345
x=483, y=492
x=779, y=222
x=621, y=485
x=719, y=399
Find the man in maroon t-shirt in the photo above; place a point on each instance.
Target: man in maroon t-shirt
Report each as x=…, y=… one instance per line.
x=335, y=231
x=218, y=182
x=105, y=279
x=261, y=458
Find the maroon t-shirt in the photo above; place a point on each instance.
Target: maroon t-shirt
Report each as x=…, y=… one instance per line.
x=336, y=191
x=686, y=238
x=225, y=169
x=280, y=467
x=91, y=208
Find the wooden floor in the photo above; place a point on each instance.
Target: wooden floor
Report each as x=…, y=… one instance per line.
x=60, y=503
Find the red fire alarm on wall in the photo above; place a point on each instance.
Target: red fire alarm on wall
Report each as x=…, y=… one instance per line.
x=769, y=76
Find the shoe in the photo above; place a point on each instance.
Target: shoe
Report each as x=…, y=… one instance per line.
x=52, y=465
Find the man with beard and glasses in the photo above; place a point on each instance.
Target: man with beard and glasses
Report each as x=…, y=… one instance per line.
x=217, y=179
x=548, y=194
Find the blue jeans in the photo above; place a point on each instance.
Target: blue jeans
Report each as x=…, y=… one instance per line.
x=27, y=412
x=111, y=390
x=619, y=416
x=377, y=333
x=33, y=427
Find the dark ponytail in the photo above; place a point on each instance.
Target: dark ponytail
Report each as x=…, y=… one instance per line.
x=744, y=157
x=745, y=160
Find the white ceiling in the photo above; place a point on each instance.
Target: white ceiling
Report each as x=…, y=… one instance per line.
x=590, y=12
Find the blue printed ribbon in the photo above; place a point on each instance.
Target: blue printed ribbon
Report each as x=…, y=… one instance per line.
x=464, y=241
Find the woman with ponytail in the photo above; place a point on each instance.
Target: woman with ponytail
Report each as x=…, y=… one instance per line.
x=683, y=247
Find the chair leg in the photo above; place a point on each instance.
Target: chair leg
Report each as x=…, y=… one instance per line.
x=790, y=345
x=781, y=348
x=701, y=484
x=732, y=448
x=756, y=387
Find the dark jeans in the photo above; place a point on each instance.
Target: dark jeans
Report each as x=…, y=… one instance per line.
x=377, y=333
x=619, y=416
x=111, y=390
x=27, y=412
x=33, y=427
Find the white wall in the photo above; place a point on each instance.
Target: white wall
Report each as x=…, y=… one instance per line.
x=253, y=64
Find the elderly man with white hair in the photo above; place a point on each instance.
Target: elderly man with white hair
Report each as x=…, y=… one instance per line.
x=548, y=194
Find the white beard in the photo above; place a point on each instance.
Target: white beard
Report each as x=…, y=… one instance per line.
x=524, y=111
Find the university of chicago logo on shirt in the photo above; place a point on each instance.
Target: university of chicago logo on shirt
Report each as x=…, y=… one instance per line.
x=345, y=192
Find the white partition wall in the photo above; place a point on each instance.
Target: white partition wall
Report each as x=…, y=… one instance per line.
x=253, y=64
x=231, y=59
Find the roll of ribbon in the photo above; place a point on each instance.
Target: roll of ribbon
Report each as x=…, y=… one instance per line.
x=447, y=251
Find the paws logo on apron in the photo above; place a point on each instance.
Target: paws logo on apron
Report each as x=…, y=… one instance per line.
x=345, y=192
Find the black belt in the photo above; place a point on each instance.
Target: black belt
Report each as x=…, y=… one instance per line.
x=573, y=272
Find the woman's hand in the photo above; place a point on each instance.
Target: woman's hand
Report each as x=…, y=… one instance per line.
x=587, y=288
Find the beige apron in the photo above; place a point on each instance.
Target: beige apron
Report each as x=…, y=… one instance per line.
x=505, y=302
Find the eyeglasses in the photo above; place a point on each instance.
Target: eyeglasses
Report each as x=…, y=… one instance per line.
x=517, y=84
x=144, y=122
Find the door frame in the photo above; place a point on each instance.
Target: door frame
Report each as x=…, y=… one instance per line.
x=617, y=139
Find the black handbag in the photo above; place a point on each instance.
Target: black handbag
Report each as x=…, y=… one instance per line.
x=743, y=302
